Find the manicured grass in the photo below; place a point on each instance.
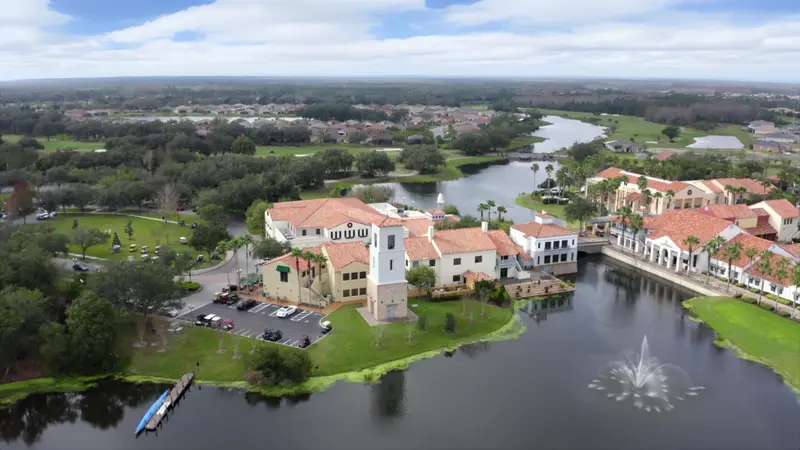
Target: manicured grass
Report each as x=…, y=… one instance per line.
x=146, y=232
x=524, y=141
x=761, y=335
x=56, y=143
x=556, y=210
x=12, y=392
x=197, y=345
x=642, y=131
x=351, y=346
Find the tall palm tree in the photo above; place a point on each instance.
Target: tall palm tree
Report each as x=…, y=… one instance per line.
x=732, y=253
x=247, y=241
x=712, y=248
x=796, y=284
x=766, y=269
x=491, y=204
x=500, y=211
x=535, y=168
x=222, y=249
x=691, y=242
x=549, y=169
x=297, y=254
x=481, y=208
x=320, y=260
x=235, y=244
x=670, y=196
x=765, y=184
x=782, y=270
x=310, y=257
x=562, y=179
x=624, y=214
x=636, y=223
x=658, y=196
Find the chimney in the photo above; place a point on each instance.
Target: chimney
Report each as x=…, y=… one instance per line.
x=485, y=226
x=430, y=233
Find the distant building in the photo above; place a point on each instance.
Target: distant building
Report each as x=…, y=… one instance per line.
x=624, y=146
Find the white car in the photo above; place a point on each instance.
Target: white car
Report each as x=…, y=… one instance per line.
x=286, y=311
x=262, y=261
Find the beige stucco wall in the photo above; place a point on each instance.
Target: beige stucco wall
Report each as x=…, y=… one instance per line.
x=273, y=285
x=338, y=284
x=380, y=296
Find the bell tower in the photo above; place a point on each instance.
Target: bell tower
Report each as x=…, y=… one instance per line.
x=387, y=288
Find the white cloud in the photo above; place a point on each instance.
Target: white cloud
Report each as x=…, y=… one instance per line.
x=22, y=21
x=333, y=37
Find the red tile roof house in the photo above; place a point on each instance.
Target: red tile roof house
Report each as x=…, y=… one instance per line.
x=753, y=221
x=783, y=216
x=665, y=239
x=739, y=268
x=548, y=243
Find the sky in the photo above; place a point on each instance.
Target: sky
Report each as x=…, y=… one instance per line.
x=686, y=39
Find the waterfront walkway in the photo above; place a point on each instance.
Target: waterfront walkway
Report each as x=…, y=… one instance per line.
x=693, y=281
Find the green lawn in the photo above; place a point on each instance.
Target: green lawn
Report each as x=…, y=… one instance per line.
x=352, y=347
x=56, y=143
x=642, y=131
x=555, y=210
x=146, y=232
x=268, y=150
x=760, y=334
x=524, y=141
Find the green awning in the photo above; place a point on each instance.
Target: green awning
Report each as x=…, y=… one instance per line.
x=286, y=269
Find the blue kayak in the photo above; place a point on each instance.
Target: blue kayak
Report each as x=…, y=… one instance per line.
x=150, y=412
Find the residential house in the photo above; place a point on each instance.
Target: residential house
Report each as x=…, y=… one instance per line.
x=548, y=243
x=731, y=191
x=719, y=264
x=771, y=146
x=784, y=137
x=761, y=127
x=664, y=156
x=624, y=146
x=414, y=139
x=754, y=221
x=664, y=194
x=665, y=241
x=783, y=217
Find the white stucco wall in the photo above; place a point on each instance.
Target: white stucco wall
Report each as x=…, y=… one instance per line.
x=448, y=269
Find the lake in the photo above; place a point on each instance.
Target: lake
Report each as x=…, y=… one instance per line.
x=717, y=142
x=500, y=182
x=521, y=394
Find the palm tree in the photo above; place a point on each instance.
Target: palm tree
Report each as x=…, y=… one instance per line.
x=491, y=204
x=222, y=249
x=796, y=284
x=732, y=253
x=765, y=267
x=247, y=241
x=549, y=169
x=636, y=223
x=298, y=254
x=670, y=196
x=310, y=257
x=624, y=214
x=562, y=179
x=481, y=208
x=534, y=168
x=782, y=270
x=691, y=242
x=712, y=248
x=658, y=196
x=765, y=184
x=235, y=244
x=500, y=211
x=320, y=260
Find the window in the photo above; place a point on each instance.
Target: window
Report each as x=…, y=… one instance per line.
x=362, y=291
x=346, y=276
x=319, y=231
x=346, y=293
x=539, y=245
x=563, y=257
x=556, y=245
x=416, y=263
x=408, y=263
x=504, y=258
x=374, y=242
x=547, y=259
x=391, y=264
x=547, y=245
x=432, y=263
x=564, y=243
x=457, y=261
x=478, y=259
x=284, y=277
x=390, y=246
x=354, y=275
x=572, y=256
x=456, y=278
x=362, y=275
x=538, y=260
x=305, y=232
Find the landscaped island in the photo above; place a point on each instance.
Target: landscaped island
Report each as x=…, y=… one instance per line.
x=756, y=334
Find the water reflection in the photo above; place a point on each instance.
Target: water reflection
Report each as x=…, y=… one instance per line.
x=388, y=396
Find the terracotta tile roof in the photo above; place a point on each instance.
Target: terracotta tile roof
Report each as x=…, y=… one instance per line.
x=752, y=186
x=344, y=254
x=325, y=212
x=476, y=276
x=756, y=270
x=502, y=241
x=793, y=249
x=521, y=252
x=783, y=207
x=664, y=156
x=435, y=211
x=463, y=240
x=761, y=230
x=760, y=212
x=679, y=224
x=420, y=248
x=654, y=184
x=417, y=226
x=633, y=196
x=729, y=211
x=289, y=260
x=747, y=241
x=707, y=186
x=538, y=230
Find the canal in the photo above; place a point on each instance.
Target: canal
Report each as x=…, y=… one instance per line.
x=521, y=394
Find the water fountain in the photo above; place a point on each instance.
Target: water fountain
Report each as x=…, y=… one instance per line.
x=650, y=384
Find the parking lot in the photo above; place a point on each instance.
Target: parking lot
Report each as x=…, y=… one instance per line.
x=251, y=324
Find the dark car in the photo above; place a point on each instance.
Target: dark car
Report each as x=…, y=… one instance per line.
x=272, y=335
x=304, y=341
x=245, y=304
x=80, y=267
x=231, y=298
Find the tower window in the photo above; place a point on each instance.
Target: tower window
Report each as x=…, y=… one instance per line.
x=390, y=245
x=391, y=264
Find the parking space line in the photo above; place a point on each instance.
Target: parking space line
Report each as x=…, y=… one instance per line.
x=259, y=308
x=240, y=332
x=248, y=334
x=274, y=313
x=294, y=344
x=301, y=316
x=285, y=342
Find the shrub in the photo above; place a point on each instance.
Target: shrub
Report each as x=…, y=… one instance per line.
x=772, y=297
x=276, y=366
x=784, y=314
x=450, y=323
x=737, y=296
x=783, y=301
x=741, y=285
x=748, y=299
x=767, y=306
x=187, y=286
x=753, y=290
x=723, y=279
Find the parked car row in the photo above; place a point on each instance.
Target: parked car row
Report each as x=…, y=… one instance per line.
x=214, y=321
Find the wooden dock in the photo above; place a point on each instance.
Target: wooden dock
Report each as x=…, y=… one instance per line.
x=172, y=399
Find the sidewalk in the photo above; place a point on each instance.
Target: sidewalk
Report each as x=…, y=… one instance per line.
x=693, y=281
